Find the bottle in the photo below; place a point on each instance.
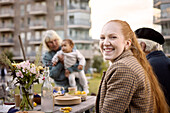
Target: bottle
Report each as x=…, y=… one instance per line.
x=47, y=103
x=9, y=94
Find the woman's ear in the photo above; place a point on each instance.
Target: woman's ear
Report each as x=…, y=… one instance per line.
x=128, y=44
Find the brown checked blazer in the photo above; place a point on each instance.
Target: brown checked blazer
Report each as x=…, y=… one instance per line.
x=124, y=88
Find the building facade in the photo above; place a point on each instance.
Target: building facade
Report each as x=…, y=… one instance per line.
x=163, y=18
x=31, y=18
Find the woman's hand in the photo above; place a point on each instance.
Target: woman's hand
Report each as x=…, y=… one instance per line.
x=61, y=58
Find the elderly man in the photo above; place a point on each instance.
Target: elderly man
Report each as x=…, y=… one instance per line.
x=151, y=42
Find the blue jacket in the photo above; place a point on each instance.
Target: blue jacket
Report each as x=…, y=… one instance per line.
x=161, y=66
x=58, y=72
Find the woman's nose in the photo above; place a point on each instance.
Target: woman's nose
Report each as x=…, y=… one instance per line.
x=106, y=41
x=54, y=43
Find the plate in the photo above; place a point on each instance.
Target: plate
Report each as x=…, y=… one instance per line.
x=67, y=97
x=67, y=100
x=30, y=112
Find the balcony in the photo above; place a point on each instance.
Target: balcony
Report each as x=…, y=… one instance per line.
x=59, y=9
x=161, y=18
x=80, y=39
x=59, y=24
x=38, y=10
x=7, y=13
x=6, y=41
x=6, y=27
x=34, y=41
x=157, y=3
x=38, y=25
x=82, y=5
x=79, y=23
x=4, y=2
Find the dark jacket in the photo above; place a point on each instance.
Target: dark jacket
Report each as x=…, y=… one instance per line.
x=161, y=66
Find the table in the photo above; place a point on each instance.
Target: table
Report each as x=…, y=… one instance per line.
x=84, y=106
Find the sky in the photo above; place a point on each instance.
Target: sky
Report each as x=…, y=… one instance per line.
x=138, y=13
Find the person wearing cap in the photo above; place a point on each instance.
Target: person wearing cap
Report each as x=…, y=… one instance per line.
x=151, y=42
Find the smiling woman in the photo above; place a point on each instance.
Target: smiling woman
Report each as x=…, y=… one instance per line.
x=129, y=84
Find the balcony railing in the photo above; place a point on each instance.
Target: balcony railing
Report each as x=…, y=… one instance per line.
x=38, y=24
x=71, y=7
x=6, y=41
x=7, y=13
x=35, y=41
x=6, y=1
x=59, y=8
x=79, y=22
x=161, y=17
x=80, y=38
x=38, y=9
x=6, y=27
x=59, y=23
x=157, y=1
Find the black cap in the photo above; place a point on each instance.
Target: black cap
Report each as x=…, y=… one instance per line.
x=150, y=34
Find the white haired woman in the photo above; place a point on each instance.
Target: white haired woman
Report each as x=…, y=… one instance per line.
x=52, y=43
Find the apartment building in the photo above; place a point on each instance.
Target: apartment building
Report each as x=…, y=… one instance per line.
x=31, y=18
x=163, y=18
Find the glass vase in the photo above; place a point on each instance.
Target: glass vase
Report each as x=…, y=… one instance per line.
x=26, y=96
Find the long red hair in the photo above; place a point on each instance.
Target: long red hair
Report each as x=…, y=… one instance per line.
x=160, y=104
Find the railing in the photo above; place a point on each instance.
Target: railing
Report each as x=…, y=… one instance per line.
x=79, y=22
x=87, y=8
x=38, y=23
x=7, y=11
x=156, y=1
x=59, y=8
x=34, y=39
x=36, y=8
x=6, y=40
x=6, y=26
x=163, y=15
x=6, y=1
x=59, y=23
x=80, y=38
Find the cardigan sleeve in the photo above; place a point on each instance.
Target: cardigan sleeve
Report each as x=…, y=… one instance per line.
x=56, y=70
x=121, y=84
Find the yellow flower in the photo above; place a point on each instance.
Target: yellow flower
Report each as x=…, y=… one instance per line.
x=14, y=64
x=40, y=68
x=33, y=65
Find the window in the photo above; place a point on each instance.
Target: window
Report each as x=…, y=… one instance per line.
x=22, y=10
x=37, y=35
x=28, y=35
x=28, y=8
x=22, y=35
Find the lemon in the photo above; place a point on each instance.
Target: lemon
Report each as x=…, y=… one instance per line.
x=83, y=92
x=35, y=104
x=66, y=111
x=77, y=92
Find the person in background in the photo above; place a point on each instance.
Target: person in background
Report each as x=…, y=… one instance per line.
x=129, y=84
x=52, y=44
x=70, y=58
x=3, y=72
x=151, y=42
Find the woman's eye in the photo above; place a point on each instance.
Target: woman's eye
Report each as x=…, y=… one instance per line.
x=102, y=38
x=113, y=37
